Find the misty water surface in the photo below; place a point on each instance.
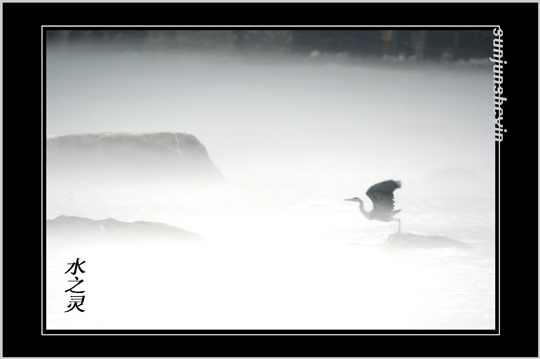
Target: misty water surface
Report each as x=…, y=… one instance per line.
x=292, y=138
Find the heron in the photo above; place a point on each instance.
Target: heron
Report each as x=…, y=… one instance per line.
x=382, y=196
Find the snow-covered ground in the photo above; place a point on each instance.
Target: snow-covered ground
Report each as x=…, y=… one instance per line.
x=281, y=249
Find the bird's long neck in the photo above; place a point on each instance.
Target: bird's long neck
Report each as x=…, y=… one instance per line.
x=364, y=212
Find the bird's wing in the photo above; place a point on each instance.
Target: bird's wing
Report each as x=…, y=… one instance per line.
x=382, y=195
x=382, y=201
x=386, y=186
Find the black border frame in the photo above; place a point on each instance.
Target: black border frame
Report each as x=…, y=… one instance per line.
x=523, y=301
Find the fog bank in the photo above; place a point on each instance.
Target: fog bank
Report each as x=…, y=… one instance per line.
x=292, y=138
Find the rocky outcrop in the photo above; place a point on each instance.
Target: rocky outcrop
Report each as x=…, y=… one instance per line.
x=113, y=157
x=71, y=228
x=402, y=240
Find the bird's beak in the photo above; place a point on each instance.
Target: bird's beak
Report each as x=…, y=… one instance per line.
x=349, y=199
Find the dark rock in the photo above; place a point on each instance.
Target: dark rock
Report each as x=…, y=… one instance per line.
x=76, y=228
x=410, y=241
x=114, y=157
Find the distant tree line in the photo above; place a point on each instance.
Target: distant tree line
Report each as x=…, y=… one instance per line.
x=422, y=44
